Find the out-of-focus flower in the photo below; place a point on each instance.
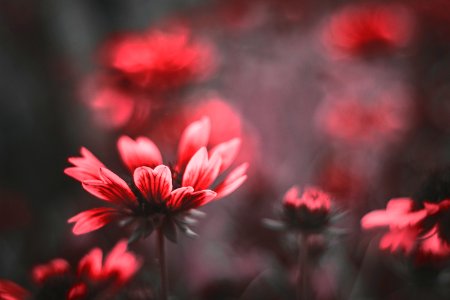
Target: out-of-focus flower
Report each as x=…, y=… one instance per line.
x=157, y=195
x=159, y=60
x=56, y=280
x=368, y=30
x=407, y=231
x=308, y=213
x=361, y=122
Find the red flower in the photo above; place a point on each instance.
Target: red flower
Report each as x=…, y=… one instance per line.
x=406, y=228
x=160, y=60
x=158, y=196
x=310, y=211
x=56, y=280
x=367, y=30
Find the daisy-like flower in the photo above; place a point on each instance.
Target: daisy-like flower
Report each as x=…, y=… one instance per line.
x=158, y=196
x=407, y=231
x=369, y=29
x=93, y=278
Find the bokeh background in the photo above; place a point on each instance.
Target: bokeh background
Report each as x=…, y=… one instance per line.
x=317, y=92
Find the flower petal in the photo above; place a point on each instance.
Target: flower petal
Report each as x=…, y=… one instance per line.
x=54, y=268
x=142, y=152
x=110, y=188
x=232, y=181
x=201, y=172
x=154, y=184
x=93, y=219
x=91, y=265
x=12, y=291
x=403, y=240
x=77, y=292
x=85, y=167
x=184, y=198
x=121, y=264
x=227, y=151
x=194, y=137
x=291, y=197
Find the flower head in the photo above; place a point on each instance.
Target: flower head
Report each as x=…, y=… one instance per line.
x=368, y=30
x=157, y=195
x=57, y=280
x=407, y=231
x=160, y=60
x=310, y=211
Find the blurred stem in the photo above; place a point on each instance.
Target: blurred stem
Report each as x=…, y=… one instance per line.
x=162, y=264
x=303, y=291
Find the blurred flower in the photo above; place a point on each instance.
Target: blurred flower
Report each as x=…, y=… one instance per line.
x=407, y=231
x=157, y=195
x=309, y=213
x=158, y=60
x=361, y=122
x=368, y=30
x=56, y=280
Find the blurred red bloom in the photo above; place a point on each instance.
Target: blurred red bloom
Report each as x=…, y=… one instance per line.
x=158, y=195
x=356, y=121
x=369, y=29
x=56, y=280
x=310, y=211
x=160, y=60
x=407, y=230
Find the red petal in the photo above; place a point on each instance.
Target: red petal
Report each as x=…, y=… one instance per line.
x=110, y=188
x=184, y=199
x=403, y=240
x=154, y=184
x=139, y=153
x=85, y=167
x=232, y=181
x=93, y=219
x=91, y=264
x=291, y=196
x=227, y=151
x=200, y=172
x=12, y=291
x=434, y=245
x=77, y=292
x=54, y=268
x=194, y=137
x=121, y=263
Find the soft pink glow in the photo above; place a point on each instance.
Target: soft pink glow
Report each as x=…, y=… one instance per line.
x=54, y=268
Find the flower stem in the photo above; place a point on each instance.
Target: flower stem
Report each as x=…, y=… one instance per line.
x=162, y=264
x=303, y=292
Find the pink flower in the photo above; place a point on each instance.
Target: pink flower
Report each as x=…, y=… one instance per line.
x=158, y=60
x=407, y=232
x=158, y=195
x=370, y=29
x=56, y=280
x=308, y=212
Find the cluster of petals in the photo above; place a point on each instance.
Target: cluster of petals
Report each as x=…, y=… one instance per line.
x=160, y=60
x=308, y=211
x=368, y=29
x=157, y=189
x=92, y=272
x=408, y=228
x=312, y=198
